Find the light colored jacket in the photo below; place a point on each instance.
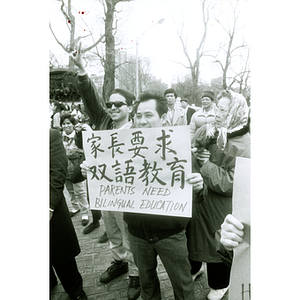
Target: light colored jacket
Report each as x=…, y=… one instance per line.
x=200, y=118
x=178, y=118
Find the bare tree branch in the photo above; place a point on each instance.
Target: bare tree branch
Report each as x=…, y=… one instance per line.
x=65, y=13
x=235, y=78
x=231, y=32
x=217, y=61
x=95, y=44
x=194, y=66
x=180, y=63
x=241, y=46
x=57, y=39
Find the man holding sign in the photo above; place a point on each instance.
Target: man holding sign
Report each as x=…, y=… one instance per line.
x=152, y=235
x=146, y=165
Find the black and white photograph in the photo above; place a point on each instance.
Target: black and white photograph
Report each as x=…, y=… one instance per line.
x=152, y=208
x=156, y=139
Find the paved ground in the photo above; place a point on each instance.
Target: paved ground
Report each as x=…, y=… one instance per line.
x=95, y=258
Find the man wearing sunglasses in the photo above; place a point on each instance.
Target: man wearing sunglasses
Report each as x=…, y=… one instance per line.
x=115, y=114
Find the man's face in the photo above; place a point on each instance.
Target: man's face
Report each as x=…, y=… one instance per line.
x=223, y=110
x=206, y=102
x=184, y=104
x=171, y=99
x=147, y=115
x=121, y=112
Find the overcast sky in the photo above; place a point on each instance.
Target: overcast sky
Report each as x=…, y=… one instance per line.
x=138, y=20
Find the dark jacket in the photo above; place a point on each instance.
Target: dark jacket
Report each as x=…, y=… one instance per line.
x=94, y=104
x=154, y=227
x=216, y=203
x=63, y=240
x=190, y=111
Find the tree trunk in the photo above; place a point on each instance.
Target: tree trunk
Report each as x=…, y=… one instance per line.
x=195, y=88
x=72, y=35
x=109, y=64
x=72, y=45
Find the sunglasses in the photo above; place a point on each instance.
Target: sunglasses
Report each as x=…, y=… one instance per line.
x=117, y=104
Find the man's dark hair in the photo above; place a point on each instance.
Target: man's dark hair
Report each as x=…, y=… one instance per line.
x=170, y=91
x=128, y=96
x=161, y=102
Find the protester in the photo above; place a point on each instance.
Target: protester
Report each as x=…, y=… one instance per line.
x=58, y=107
x=64, y=246
x=75, y=182
x=218, y=144
x=175, y=115
x=112, y=115
x=96, y=214
x=206, y=114
x=153, y=235
x=188, y=111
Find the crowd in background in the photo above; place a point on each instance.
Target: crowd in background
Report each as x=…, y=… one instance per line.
x=220, y=131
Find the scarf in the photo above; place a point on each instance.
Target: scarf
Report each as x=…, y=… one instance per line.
x=72, y=151
x=68, y=138
x=237, y=120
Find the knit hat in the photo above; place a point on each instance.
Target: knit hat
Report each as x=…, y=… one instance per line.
x=209, y=94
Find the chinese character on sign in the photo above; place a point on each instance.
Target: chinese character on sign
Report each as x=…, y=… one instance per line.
x=177, y=175
x=95, y=147
x=101, y=169
x=163, y=146
x=137, y=141
x=154, y=173
x=129, y=172
x=115, y=146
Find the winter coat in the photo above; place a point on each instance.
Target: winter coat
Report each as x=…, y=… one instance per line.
x=63, y=240
x=210, y=210
x=178, y=118
x=200, y=118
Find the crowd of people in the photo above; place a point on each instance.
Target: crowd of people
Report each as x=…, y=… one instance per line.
x=219, y=133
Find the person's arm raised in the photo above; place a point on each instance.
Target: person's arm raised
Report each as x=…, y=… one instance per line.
x=78, y=60
x=93, y=102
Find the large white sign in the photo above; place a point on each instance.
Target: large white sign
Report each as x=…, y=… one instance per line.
x=140, y=170
x=240, y=280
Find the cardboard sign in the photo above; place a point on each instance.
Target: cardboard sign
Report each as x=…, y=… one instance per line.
x=140, y=170
x=240, y=286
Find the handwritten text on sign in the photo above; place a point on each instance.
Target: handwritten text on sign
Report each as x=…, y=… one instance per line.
x=140, y=170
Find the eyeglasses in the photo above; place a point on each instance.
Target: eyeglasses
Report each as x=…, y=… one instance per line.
x=117, y=104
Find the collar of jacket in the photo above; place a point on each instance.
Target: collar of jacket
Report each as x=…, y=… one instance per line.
x=239, y=132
